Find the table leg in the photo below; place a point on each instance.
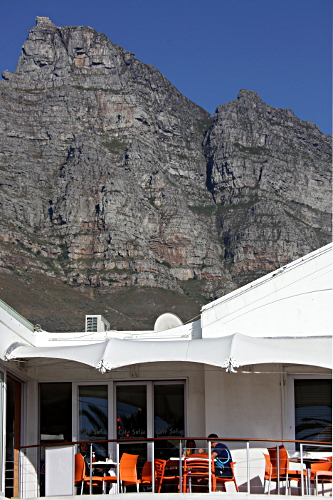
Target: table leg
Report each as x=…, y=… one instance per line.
x=308, y=470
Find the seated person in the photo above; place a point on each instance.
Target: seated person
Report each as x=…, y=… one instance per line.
x=85, y=452
x=222, y=456
x=190, y=447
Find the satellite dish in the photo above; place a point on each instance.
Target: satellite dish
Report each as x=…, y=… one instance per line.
x=167, y=321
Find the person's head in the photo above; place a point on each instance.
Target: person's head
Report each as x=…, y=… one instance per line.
x=214, y=443
x=190, y=443
x=83, y=447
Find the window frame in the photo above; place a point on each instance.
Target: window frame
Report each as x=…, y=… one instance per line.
x=112, y=404
x=291, y=400
x=150, y=405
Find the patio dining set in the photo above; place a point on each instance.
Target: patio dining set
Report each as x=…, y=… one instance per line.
x=194, y=473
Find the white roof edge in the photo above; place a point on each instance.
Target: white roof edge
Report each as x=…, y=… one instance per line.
x=102, y=336
x=268, y=277
x=14, y=314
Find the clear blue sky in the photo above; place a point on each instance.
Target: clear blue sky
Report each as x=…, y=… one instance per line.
x=209, y=49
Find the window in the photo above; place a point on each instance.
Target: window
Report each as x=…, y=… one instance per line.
x=93, y=416
x=151, y=409
x=169, y=418
x=313, y=409
x=55, y=411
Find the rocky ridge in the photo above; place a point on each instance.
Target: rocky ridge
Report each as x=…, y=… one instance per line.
x=110, y=177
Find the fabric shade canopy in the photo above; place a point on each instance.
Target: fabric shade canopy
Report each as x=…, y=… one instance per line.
x=225, y=352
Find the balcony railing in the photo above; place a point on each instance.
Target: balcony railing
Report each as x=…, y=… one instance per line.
x=248, y=455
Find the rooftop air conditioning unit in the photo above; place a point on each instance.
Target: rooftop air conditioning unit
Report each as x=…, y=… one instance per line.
x=96, y=323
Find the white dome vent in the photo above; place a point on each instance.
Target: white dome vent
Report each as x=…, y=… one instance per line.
x=167, y=321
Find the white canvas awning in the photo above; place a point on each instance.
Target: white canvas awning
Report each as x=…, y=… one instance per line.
x=225, y=352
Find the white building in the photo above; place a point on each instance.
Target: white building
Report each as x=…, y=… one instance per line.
x=256, y=366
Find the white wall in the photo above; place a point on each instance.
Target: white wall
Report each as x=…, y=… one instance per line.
x=245, y=405
x=293, y=301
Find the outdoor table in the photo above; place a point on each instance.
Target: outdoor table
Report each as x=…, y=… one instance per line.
x=308, y=461
x=105, y=465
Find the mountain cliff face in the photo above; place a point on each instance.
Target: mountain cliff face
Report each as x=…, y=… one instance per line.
x=110, y=177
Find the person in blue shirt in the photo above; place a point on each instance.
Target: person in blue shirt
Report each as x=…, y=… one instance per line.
x=222, y=456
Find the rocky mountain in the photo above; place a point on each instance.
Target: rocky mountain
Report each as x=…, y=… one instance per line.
x=111, y=178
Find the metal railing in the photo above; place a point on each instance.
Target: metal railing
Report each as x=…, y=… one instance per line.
x=247, y=453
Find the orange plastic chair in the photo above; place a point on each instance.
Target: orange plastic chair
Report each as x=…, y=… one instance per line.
x=268, y=469
x=171, y=479
x=321, y=472
x=224, y=480
x=128, y=472
x=146, y=476
x=159, y=466
x=198, y=469
x=108, y=480
x=80, y=477
x=285, y=474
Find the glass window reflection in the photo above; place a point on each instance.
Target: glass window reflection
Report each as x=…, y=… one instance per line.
x=169, y=410
x=131, y=411
x=313, y=410
x=93, y=416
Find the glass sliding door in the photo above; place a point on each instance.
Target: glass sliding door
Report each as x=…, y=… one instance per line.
x=151, y=409
x=169, y=418
x=93, y=417
x=313, y=410
x=131, y=418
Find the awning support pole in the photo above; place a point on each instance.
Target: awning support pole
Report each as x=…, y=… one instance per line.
x=153, y=467
x=278, y=467
x=302, y=482
x=180, y=467
x=118, y=478
x=209, y=467
x=90, y=471
x=248, y=465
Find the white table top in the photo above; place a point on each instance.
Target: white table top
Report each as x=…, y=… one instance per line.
x=107, y=462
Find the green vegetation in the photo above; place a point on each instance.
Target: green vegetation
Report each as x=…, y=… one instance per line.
x=193, y=288
x=39, y=298
x=64, y=252
x=257, y=150
x=238, y=206
x=204, y=124
x=115, y=146
x=207, y=210
x=182, y=157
